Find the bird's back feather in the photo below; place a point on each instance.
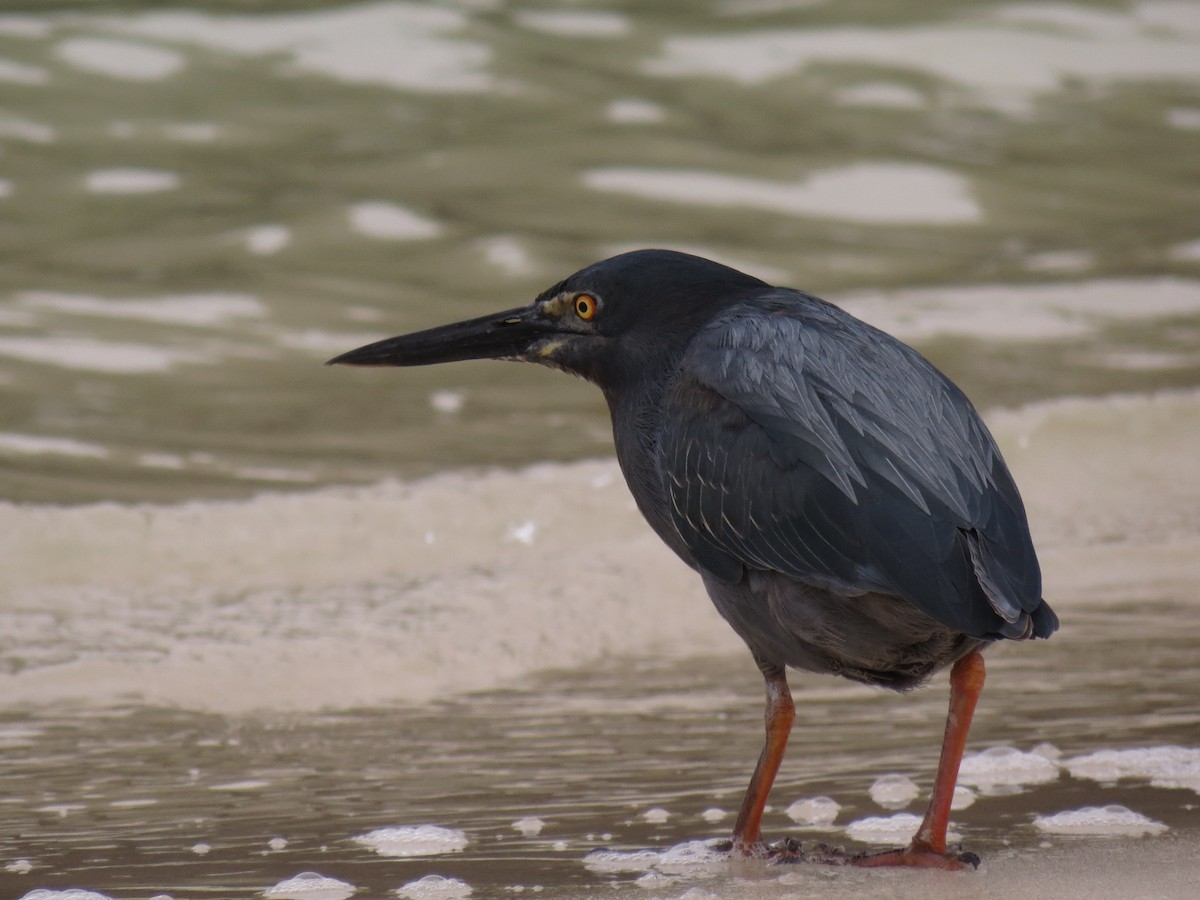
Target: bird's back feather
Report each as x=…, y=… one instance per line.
x=797, y=440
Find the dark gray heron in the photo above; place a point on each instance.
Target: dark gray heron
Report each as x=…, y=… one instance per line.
x=842, y=501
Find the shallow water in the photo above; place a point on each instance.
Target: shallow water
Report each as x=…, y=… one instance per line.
x=252, y=609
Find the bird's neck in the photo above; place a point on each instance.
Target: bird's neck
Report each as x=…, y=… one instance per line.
x=637, y=415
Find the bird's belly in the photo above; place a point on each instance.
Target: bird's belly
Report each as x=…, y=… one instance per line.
x=872, y=638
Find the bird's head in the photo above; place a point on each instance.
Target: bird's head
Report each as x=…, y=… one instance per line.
x=605, y=322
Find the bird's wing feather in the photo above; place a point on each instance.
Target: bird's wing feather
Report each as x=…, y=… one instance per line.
x=798, y=441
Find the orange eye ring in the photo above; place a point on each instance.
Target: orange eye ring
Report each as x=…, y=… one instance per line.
x=586, y=307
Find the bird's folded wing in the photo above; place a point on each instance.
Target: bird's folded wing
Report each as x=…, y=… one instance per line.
x=797, y=441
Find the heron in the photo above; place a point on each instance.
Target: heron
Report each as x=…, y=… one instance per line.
x=844, y=504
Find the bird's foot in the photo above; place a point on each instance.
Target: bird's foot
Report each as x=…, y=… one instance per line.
x=918, y=855
x=785, y=850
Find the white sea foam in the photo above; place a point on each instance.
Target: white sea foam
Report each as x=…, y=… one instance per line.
x=310, y=886
x=266, y=240
x=877, y=192
x=1112, y=820
x=814, y=811
x=413, y=840
x=508, y=254
x=1005, y=59
x=401, y=45
x=37, y=444
x=894, y=829
x=120, y=59
x=192, y=132
x=1165, y=766
x=19, y=73
x=573, y=23
x=131, y=181
x=880, y=93
x=16, y=128
x=1002, y=768
x=69, y=894
x=434, y=887
x=389, y=222
x=963, y=797
x=631, y=111
x=893, y=791
x=1189, y=251
x=530, y=826
x=96, y=356
x=179, y=309
x=25, y=26
x=1024, y=312
x=689, y=858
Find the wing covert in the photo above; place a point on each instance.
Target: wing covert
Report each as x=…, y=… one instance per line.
x=839, y=456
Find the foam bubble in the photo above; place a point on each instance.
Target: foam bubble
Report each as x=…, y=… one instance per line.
x=1112, y=820
x=413, y=840
x=691, y=857
x=714, y=814
x=656, y=815
x=895, y=829
x=893, y=791
x=19, y=866
x=1166, y=766
x=1005, y=767
x=613, y=861
x=310, y=886
x=688, y=858
x=963, y=797
x=814, y=811
x=69, y=894
x=434, y=887
x=529, y=826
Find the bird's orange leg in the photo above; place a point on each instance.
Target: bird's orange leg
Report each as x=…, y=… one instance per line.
x=928, y=847
x=781, y=712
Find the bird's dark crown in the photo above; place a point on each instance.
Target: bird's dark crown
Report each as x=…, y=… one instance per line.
x=649, y=303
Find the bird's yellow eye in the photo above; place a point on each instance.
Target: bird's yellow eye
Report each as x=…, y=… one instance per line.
x=585, y=307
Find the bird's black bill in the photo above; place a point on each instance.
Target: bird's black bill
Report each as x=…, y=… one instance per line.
x=505, y=335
